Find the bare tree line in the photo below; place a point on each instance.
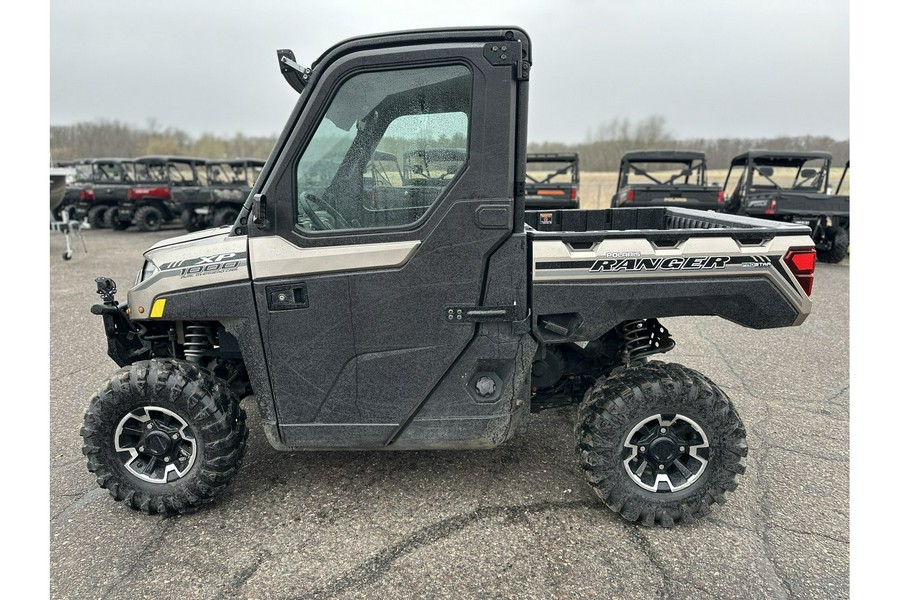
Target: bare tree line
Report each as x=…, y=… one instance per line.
x=605, y=145
x=601, y=151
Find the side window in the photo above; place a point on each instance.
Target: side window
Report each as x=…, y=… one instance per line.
x=390, y=144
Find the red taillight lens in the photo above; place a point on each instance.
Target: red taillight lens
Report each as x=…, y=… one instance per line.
x=771, y=209
x=631, y=195
x=721, y=197
x=573, y=193
x=86, y=195
x=802, y=263
x=129, y=195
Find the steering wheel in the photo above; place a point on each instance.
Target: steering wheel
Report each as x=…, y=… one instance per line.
x=304, y=201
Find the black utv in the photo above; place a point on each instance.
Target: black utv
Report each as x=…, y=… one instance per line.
x=437, y=313
x=75, y=186
x=666, y=178
x=228, y=182
x=551, y=181
x=112, y=178
x=791, y=187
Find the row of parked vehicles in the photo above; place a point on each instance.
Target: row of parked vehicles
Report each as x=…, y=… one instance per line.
x=150, y=191
x=778, y=186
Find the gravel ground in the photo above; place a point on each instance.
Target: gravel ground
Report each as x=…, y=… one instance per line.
x=514, y=522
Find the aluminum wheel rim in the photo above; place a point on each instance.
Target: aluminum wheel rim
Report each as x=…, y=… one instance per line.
x=131, y=443
x=666, y=453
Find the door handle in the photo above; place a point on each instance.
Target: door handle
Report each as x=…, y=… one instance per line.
x=287, y=297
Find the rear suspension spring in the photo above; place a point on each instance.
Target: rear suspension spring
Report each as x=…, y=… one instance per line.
x=643, y=337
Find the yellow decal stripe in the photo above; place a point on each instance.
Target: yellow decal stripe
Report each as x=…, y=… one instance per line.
x=158, y=307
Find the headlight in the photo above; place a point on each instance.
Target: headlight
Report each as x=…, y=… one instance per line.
x=146, y=272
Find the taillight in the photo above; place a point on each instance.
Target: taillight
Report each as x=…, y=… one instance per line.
x=631, y=195
x=129, y=195
x=770, y=210
x=721, y=197
x=802, y=263
x=86, y=195
x=573, y=193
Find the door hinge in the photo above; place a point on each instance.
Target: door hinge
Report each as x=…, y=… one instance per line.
x=508, y=52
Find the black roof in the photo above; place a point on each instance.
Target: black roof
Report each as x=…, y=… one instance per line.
x=95, y=161
x=165, y=159
x=663, y=156
x=237, y=162
x=552, y=157
x=779, y=158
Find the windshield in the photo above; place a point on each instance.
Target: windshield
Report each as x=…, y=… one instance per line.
x=83, y=173
x=806, y=175
x=150, y=172
x=113, y=172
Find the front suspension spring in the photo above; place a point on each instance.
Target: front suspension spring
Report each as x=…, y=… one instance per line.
x=198, y=339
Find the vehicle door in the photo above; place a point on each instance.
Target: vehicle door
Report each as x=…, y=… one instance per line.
x=360, y=282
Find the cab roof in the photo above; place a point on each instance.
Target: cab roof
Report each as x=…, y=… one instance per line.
x=778, y=158
x=657, y=156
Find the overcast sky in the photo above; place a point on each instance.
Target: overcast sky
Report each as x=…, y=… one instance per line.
x=712, y=68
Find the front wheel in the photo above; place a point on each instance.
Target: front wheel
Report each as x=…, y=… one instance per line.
x=164, y=437
x=224, y=216
x=659, y=443
x=95, y=216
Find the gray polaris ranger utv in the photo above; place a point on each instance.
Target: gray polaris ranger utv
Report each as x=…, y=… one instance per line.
x=373, y=313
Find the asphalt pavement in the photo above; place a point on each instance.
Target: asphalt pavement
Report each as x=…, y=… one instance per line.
x=514, y=522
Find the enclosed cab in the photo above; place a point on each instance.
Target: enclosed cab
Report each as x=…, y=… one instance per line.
x=551, y=181
x=666, y=178
x=228, y=183
x=362, y=310
x=148, y=203
x=791, y=187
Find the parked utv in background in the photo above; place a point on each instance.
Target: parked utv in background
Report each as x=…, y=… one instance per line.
x=112, y=178
x=76, y=185
x=148, y=203
x=792, y=187
x=551, y=181
x=380, y=323
x=666, y=178
x=843, y=222
x=228, y=182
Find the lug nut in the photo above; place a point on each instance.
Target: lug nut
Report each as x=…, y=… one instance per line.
x=175, y=437
x=681, y=448
x=661, y=467
x=643, y=448
x=662, y=429
x=149, y=425
x=167, y=459
x=141, y=449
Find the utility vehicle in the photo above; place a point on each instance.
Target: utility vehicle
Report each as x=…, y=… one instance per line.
x=76, y=183
x=112, y=178
x=361, y=324
x=228, y=182
x=148, y=204
x=792, y=187
x=551, y=181
x=666, y=178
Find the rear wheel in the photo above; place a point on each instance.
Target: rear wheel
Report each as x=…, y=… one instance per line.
x=96, y=216
x=148, y=218
x=224, y=216
x=835, y=244
x=659, y=443
x=164, y=437
x=111, y=220
x=191, y=221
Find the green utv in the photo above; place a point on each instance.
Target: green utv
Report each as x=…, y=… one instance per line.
x=371, y=312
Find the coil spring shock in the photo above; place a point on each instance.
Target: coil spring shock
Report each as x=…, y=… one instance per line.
x=643, y=337
x=198, y=338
